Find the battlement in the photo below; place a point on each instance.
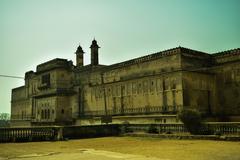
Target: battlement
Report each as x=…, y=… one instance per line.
x=227, y=56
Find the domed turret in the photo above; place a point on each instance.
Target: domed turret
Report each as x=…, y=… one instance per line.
x=79, y=56
x=79, y=50
x=94, y=52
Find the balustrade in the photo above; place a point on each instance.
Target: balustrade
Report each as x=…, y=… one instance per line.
x=29, y=134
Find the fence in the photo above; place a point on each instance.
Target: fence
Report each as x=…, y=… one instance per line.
x=228, y=128
x=160, y=128
x=30, y=134
x=225, y=128
x=134, y=111
x=57, y=133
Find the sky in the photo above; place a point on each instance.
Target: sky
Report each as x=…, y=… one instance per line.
x=35, y=31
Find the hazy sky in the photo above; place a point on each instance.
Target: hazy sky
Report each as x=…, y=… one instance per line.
x=34, y=31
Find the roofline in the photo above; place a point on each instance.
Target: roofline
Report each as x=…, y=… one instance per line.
x=18, y=88
x=235, y=51
x=148, y=57
x=164, y=53
x=44, y=63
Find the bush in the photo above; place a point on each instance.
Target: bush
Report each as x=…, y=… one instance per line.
x=192, y=120
x=4, y=123
x=125, y=127
x=152, y=129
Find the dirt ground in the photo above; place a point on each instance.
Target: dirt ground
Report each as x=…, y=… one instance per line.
x=122, y=148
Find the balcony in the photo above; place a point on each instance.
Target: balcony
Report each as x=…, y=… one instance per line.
x=21, y=117
x=44, y=86
x=135, y=111
x=54, y=91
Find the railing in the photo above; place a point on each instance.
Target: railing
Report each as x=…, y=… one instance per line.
x=57, y=133
x=56, y=90
x=134, y=111
x=30, y=134
x=21, y=117
x=225, y=128
x=160, y=128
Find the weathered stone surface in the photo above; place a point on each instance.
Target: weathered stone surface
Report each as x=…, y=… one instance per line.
x=160, y=83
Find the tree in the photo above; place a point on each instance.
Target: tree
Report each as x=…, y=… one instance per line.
x=4, y=116
x=192, y=120
x=4, y=119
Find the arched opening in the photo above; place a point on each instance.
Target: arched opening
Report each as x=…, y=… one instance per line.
x=42, y=114
x=45, y=114
x=48, y=114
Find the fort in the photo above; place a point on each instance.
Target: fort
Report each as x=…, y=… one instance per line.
x=144, y=90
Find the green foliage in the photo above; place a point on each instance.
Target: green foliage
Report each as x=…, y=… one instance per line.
x=126, y=127
x=4, y=119
x=152, y=129
x=4, y=116
x=192, y=120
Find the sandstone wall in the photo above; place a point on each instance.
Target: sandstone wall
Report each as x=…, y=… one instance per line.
x=135, y=88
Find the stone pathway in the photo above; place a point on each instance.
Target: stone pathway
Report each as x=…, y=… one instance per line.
x=86, y=154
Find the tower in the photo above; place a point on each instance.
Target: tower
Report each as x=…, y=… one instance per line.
x=79, y=56
x=94, y=52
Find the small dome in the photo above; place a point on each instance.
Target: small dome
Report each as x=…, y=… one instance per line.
x=94, y=41
x=94, y=44
x=79, y=49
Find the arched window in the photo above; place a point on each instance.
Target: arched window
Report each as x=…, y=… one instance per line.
x=22, y=114
x=48, y=114
x=42, y=114
x=45, y=114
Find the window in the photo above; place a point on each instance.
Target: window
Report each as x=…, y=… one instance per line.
x=42, y=114
x=45, y=114
x=134, y=88
x=139, y=89
x=152, y=86
x=164, y=120
x=129, y=89
x=164, y=84
x=109, y=92
x=159, y=85
x=46, y=79
x=22, y=114
x=118, y=90
x=123, y=90
x=101, y=92
x=145, y=87
x=114, y=91
x=48, y=114
x=173, y=85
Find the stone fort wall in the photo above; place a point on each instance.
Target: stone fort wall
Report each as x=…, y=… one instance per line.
x=159, y=84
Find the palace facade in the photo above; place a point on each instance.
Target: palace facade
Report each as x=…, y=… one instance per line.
x=148, y=89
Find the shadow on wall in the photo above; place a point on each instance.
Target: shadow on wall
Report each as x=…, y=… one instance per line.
x=73, y=132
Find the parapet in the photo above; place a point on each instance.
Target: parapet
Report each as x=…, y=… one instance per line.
x=53, y=64
x=227, y=56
